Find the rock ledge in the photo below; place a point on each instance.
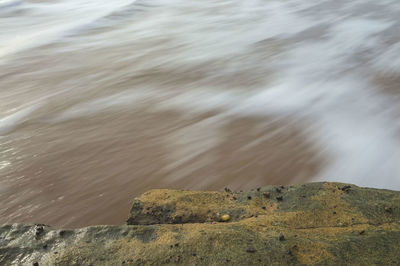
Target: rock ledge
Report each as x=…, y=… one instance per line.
x=316, y=223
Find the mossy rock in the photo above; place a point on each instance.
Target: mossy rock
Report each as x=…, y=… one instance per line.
x=312, y=224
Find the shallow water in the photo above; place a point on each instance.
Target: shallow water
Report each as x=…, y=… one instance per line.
x=102, y=101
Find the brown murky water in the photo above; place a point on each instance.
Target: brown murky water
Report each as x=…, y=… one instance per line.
x=101, y=102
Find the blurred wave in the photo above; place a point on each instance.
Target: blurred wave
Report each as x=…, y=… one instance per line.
x=100, y=101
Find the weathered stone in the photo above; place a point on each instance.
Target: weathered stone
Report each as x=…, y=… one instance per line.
x=316, y=223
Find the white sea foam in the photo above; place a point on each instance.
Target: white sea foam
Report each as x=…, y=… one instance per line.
x=47, y=21
x=388, y=62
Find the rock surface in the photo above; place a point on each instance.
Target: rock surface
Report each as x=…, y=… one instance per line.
x=316, y=223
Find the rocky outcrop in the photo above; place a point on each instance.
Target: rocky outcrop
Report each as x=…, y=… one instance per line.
x=316, y=223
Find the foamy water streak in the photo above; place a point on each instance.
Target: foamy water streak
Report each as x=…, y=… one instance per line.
x=102, y=101
x=45, y=21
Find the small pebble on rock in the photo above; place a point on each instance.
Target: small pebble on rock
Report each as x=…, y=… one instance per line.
x=225, y=217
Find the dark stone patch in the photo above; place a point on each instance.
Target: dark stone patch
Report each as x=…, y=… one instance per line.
x=389, y=209
x=158, y=214
x=39, y=230
x=145, y=234
x=250, y=250
x=65, y=233
x=346, y=188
